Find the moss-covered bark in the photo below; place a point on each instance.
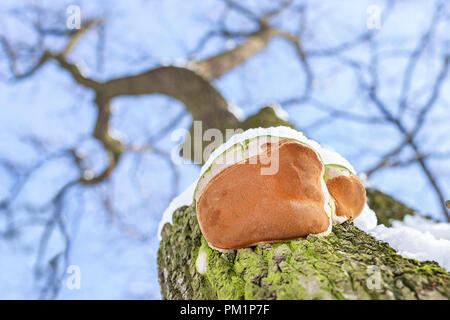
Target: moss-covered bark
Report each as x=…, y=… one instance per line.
x=347, y=264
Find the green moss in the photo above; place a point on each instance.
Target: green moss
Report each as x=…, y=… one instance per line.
x=265, y=118
x=347, y=264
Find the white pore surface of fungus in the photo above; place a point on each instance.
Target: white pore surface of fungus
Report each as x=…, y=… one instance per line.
x=414, y=237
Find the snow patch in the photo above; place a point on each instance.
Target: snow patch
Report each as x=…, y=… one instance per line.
x=202, y=262
x=184, y=199
x=414, y=237
x=439, y=230
x=279, y=111
x=327, y=155
x=367, y=220
x=413, y=240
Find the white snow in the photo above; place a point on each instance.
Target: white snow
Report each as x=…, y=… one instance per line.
x=328, y=157
x=438, y=230
x=414, y=237
x=280, y=112
x=202, y=262
x=418, y=238
x=367, y=219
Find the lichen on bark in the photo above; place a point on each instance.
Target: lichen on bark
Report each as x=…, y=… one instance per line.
x=347, y=264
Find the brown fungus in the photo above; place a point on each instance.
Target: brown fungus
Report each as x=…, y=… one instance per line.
x=238, y=207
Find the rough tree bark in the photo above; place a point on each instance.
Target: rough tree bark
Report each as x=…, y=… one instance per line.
x=347, y=264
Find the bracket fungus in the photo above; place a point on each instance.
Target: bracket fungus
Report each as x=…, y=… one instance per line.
x=270, y=189
x=347, y=191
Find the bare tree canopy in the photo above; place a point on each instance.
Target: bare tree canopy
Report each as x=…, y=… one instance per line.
x=89, y=112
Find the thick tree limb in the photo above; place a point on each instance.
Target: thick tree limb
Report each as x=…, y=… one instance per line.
x=347, y=264
x=216, y=66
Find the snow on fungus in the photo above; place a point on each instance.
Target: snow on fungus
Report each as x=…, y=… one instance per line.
x=239, y=207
